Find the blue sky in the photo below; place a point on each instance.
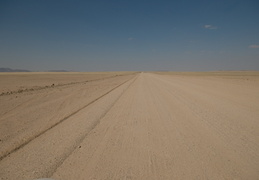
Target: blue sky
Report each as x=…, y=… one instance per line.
x=135, y=35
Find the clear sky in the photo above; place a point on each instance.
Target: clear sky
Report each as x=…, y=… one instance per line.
x=136, y=35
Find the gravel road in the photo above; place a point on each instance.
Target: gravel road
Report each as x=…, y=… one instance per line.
x=133, y=126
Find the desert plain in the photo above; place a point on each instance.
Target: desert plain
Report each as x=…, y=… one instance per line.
x=129, y=125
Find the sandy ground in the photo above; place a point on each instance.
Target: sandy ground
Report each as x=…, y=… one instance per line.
x=13, y=83
x=138, y=126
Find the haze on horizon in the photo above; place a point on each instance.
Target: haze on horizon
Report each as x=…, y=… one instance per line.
x=101, y=35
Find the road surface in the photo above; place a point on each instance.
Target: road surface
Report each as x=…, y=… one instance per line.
x=141, y=126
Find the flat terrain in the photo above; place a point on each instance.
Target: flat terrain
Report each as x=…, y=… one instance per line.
x=22, y=81
x=158, y=125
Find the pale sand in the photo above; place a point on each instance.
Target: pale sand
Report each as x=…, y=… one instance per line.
x=139, y=126
x=22, y=81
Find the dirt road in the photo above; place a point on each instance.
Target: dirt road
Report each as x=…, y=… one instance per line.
x=144, y=126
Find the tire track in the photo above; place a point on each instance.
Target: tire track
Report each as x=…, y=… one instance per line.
x=55, y=86
x=92, y=127
x=52, y=87
x=111, y=124
x=57, y=123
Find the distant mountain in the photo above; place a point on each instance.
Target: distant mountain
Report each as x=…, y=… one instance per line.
x=58, y=71
x=12, y=70
x=23, y=70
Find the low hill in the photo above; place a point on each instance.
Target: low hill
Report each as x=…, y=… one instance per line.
x=13, y=70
